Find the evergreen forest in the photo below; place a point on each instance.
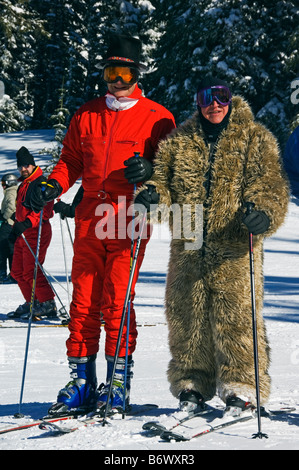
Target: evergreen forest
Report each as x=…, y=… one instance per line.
x=50, y=50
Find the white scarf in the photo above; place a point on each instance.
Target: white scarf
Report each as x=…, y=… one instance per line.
x=121, y=104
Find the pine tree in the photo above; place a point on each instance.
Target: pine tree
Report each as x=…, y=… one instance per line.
x=10, y=117
x=58, y=119
x=246, y=43
x=170, y=82
x=51, y=59
x=18, y=29
x=252, y=44
x=83, y=39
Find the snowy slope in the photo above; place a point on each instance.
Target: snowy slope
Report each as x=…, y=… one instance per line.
x=47, y=369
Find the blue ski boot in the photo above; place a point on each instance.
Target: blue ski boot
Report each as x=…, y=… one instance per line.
x=119, y=399
x=79, y=395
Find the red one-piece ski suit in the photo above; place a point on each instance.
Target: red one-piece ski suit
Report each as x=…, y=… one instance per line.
x=95, y=147
x=23, y=262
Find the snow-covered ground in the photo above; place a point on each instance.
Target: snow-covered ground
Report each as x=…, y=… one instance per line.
x=47, y=369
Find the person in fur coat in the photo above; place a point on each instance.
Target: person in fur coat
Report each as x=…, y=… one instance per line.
x=219, y=159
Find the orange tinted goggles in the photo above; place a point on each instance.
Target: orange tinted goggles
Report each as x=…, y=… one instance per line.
x=128, y=75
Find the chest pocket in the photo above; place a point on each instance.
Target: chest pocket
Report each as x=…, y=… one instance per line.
x=103, y=161
x=119, y=151
x=93, y=149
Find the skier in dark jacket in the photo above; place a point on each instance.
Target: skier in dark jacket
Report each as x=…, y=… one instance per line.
x=7, y=215
x=27, y=222
x=291, y=161
x=68, y=210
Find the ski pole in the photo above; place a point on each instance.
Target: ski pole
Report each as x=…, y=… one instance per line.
x=19, y=414
x=42, y=268
x=62, y=310
x=65, y=262
x=259, y=434
x=137, y=155
x=67, y=224
x=128, y=294
x=69, y=230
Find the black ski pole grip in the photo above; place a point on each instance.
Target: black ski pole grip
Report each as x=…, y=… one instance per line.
x=249, y=207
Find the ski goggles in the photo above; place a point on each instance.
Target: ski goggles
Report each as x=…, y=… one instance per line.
x=113, y=73
x=206, y=96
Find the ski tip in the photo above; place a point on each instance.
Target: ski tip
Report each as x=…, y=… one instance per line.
x=149, y=424
x=52, y=427
x=153, y=428
x=172, y=436
x=277, y=411
x=43, y=425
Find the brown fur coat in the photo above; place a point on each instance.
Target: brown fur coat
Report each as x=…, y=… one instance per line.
x=208, y=303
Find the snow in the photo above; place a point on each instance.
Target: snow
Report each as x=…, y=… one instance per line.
x=47, y=369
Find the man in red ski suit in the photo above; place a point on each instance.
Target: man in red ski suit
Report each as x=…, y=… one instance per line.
x=99, y=146
x=26, y=220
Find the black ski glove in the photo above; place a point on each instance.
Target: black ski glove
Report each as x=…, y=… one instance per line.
x=43, y=193
x=138, y=169
x=147, y=197
x=18, y=228
x=65, y=210
x=257, y=222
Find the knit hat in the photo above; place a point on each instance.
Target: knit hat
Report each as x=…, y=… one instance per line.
x=123, y=51
x=24, y=157
x=210, y=81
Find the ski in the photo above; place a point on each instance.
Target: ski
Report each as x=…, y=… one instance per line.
x=35, y=422
x=72, y=416
x=53, y=325
x=94, y=418
x=189, y=433
x=64, y=323
x=201, y=423
x=155, y=428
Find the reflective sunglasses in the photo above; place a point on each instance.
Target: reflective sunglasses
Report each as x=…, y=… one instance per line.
x=128, y=75
x=221, y=94
x=23, y=166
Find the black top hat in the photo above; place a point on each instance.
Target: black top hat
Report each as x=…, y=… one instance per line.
x=24, y=157
x=123, y=50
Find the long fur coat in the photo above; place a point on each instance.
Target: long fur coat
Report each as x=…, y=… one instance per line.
x=208, y=296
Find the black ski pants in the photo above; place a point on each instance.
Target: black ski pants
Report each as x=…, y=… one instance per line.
x=6, y=248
